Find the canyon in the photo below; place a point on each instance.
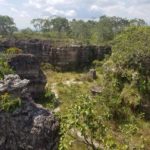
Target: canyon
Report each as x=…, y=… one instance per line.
x=31, y=126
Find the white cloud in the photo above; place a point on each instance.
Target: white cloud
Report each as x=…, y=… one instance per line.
x=24, y=14
x=124, y=8
x=35, y=3
x=14, y=10
x=44, y=3
x=53, y=11
x=94, y=8
x=71, y=13
x=2, y=1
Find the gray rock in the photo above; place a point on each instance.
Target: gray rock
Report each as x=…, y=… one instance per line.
x=96, y=90
x=30, y=127
x=64, y=58
x=92, y=74
x=27, y=66
x=12, y=83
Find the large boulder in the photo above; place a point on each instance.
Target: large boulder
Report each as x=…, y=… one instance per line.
x=27, y=66
x=28, y=127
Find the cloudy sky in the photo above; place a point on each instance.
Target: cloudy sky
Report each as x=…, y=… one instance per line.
x=24, y=10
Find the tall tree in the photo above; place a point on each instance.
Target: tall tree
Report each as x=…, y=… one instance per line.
x=7, y=25
x=80, y=30
x=108, y=27
x=60, y=24
x=37, y=24
x=137, y=22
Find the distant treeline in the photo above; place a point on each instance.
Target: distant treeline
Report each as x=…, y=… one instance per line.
x=78, y=31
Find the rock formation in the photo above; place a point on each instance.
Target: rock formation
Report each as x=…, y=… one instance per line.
x=64, y=58
x=96, y=90
x=29, y=127
x=28, y=67
x=12, y=84
x=92, y=74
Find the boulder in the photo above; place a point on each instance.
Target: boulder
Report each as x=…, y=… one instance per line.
x=96, y=90
x=30, y=126
x=92, y=74
x=27, y=66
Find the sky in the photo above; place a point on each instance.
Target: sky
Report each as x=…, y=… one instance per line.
x=23, y=11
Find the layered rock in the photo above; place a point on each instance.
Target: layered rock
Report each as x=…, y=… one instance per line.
x=30, y=126
x=27, y=66
x=65, y=58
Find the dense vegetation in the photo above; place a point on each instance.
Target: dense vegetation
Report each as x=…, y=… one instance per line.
x=7, y=26
x=115, y=118
x=63, y=31
x=8, y=102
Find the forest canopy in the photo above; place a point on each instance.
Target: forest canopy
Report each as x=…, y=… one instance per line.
x=76, y=31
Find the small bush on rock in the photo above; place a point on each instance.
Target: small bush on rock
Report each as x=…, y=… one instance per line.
x=9, y=103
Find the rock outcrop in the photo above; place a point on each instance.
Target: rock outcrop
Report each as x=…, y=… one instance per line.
x=63, y=58
x=28, y=127
x=27, y=66
x=96, y=90
x=92, y=74
x=12, y=84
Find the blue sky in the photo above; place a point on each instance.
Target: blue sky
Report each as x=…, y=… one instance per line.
x=24, y=10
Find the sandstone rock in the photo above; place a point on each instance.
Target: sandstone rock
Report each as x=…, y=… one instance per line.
x=65, y=58
x=30, y=127
x=96, y=90
x=92, y=74
x=28, y=67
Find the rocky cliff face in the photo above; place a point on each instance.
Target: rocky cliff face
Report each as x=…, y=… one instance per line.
x=29, y=127
x=27, y=66
x=65, y=58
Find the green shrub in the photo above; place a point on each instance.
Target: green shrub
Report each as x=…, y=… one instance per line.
x=47, y=66
x=4, y=67
x=48, y=100
x=13, y=50
x=9, y=103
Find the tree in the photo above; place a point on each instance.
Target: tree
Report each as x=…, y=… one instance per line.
x=60, y=24
x=137, y=22
x=7, y=25
x=109, y=27
x=80, y=30
x=37, y=24
x=27, y=31
x=84, y=124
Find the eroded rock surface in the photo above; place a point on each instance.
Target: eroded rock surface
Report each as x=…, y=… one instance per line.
x=64, y=58
x=27, y=66
x=12, y=84
x=29, y=127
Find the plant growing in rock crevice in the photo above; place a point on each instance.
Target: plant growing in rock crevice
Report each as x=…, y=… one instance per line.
x=9, y=103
